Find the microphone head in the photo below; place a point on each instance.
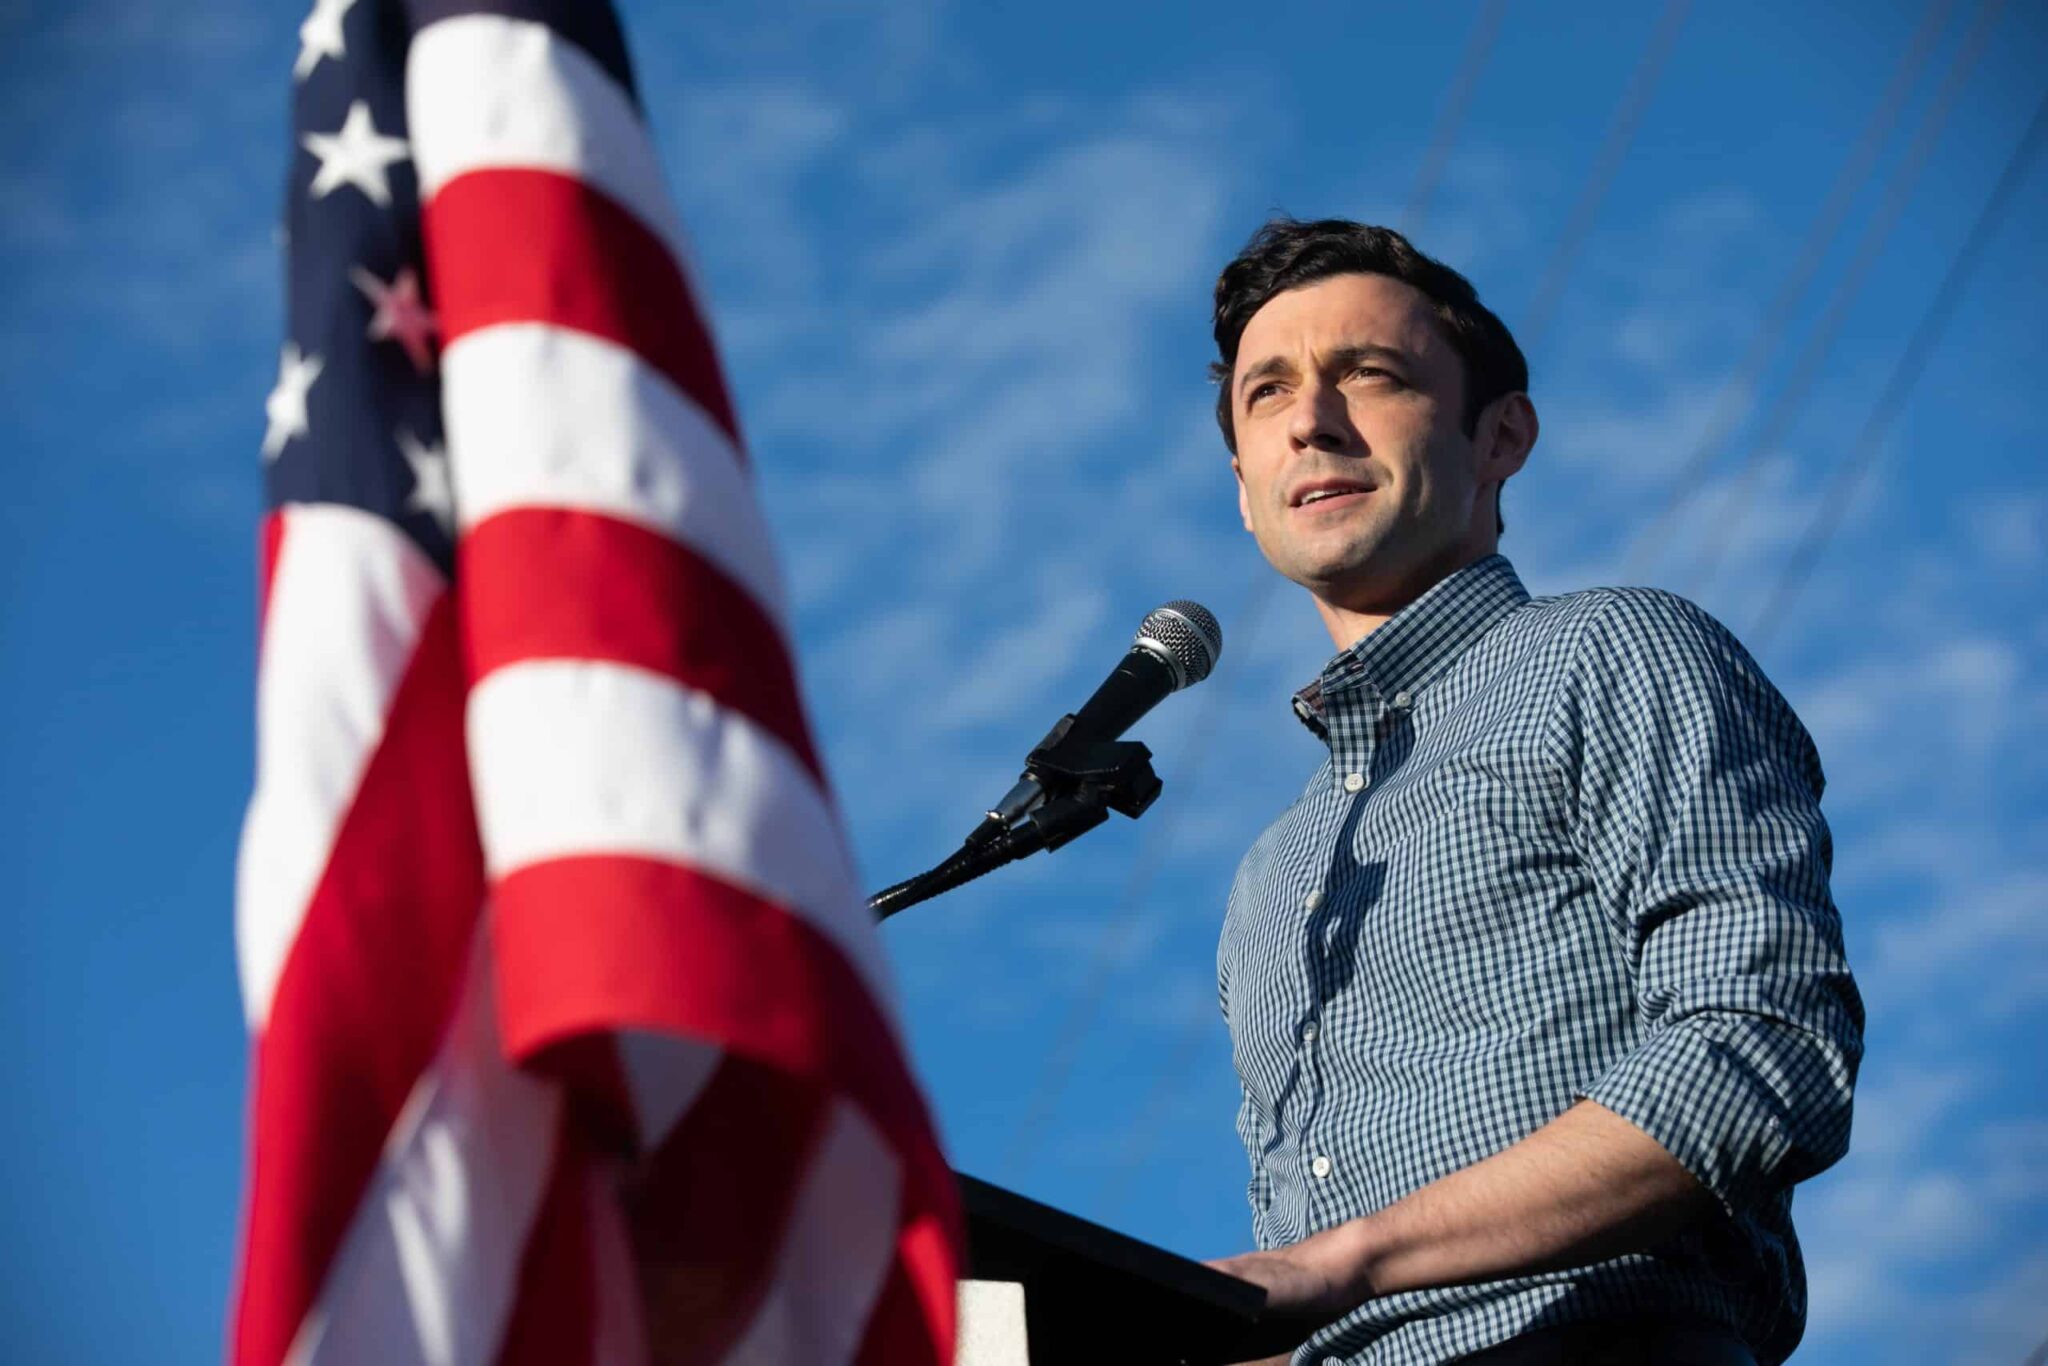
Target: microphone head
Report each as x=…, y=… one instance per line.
x=1186, y=636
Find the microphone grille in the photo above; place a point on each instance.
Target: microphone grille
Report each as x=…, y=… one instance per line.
x=1186, y=635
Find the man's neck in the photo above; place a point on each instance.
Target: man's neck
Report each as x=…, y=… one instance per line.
x=1348, y=627
x=1349, y=624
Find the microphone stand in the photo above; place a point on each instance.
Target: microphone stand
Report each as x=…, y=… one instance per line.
x=1083, y=782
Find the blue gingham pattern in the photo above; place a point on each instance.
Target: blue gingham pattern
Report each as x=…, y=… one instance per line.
x=1560, y=848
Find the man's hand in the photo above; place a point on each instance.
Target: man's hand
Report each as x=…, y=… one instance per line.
x=1321, y=1277
x=1314, y=1281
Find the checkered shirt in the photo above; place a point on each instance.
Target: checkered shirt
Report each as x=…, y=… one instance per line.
x=1561, y=848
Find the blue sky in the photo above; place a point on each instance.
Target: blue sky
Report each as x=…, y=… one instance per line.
x=960, y=259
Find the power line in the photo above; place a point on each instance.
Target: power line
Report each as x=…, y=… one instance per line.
x=1786, y=406
x=1862, y=452
x=1730, y=402
x=1452, y=117
x=1621, y=131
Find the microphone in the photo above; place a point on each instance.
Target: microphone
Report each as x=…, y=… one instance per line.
x=1176, y=646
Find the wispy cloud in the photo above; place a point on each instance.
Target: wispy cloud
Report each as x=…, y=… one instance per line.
x=1934, y=1189
x=980, y=353
x=1960, y=693
x=983, y=464
x=136, y=253
x=2010, y=528
x=749, y=150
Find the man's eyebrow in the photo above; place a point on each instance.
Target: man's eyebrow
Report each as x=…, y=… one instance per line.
x=1266, y=369
x=1346, y=356
x=1343, y=358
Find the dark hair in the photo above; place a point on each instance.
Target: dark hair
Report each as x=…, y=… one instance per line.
x=1287, y=253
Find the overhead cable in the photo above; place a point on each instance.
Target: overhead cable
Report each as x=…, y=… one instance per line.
x=1621, y=131
x=1732, y=400
x=1861, y=455
x=1789, y=402
x=1452, y=116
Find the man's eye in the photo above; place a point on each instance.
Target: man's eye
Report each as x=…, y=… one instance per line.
x=1266, y=390
x=1375, y=370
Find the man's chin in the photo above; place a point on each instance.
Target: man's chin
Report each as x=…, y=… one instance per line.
x=1355, y=578
x=1371, y=587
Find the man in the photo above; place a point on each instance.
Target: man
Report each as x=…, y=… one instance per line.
x=1537, y=992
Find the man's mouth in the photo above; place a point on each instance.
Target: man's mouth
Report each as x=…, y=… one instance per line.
x=1328, y=491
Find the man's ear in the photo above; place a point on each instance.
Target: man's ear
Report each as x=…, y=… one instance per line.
x=1244, y=502
x=1507, y=431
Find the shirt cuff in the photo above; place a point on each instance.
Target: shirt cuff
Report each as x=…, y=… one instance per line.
x=1690, y=1088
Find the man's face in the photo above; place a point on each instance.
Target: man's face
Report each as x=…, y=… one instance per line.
x=1354, y=471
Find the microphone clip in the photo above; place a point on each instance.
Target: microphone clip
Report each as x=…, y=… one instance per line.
x=1069, y=787
x=1116, y=774
x=1064, y=771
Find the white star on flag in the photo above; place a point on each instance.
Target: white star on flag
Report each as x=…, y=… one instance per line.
x=286, y=406
x=320, y=36
x=357, y=154
x=432, y=493
x=399, y=314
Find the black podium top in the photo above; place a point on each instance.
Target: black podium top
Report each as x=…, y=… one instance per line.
x=1094, y=1295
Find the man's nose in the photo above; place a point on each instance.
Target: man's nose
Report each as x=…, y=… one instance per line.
x=1320, y=419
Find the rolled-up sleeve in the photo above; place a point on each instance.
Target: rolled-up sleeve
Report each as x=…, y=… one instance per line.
x=1697, y=809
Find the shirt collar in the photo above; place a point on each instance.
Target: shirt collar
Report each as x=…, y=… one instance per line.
x=1414, y=646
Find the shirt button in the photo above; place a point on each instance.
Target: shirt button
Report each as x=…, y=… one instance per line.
x=1314, y=899
x=1308, y=1032
x=1354, y=782
x=1321, y=1166
x=1402, y=700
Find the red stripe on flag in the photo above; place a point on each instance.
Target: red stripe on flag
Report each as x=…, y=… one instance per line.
x=364, y=997
x=271, y=546
x=616, y=941
x=712, y=1206
x=551, y=583
x=925, y=1255
x=521, y=245
x=555, y=1308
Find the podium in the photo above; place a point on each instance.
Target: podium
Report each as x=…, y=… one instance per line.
x=1090, y=1294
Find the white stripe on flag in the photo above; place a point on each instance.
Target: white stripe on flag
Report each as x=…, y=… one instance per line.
x=577, y=757
x=542, y=416
x=348, y=597
x=838, y=1248
x=484, y=91
x=664, y=1076
x=429, y=1269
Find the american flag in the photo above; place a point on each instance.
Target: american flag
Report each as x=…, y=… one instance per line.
x=557, y=976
